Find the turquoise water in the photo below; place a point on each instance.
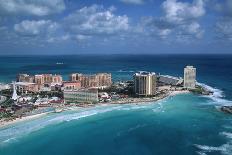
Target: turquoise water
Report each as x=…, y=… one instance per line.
x=184, y=124
x=181, y=125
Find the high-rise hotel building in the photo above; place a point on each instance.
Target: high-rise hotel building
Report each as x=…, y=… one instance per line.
x=145, y=83
x=189, y=77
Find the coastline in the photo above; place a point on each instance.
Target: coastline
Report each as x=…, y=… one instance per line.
x=4, y=123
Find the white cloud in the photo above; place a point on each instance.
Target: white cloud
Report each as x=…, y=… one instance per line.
x=223, y=26
x=137, y=2
x=31, y=7
x=224, y=29
x=95, y=20
x=192, y=29
x=34, y=28
x=182, y=11
x=179, y=18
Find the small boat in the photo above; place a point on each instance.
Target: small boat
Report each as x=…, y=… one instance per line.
x=59, y=63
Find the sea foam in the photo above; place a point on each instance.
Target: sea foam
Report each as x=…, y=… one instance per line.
x=217, y=95
x=12, y=133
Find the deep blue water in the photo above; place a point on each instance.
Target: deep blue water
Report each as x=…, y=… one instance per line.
x=181, y=125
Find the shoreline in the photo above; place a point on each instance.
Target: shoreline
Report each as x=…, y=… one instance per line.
x=137, y=101
x=4, y=124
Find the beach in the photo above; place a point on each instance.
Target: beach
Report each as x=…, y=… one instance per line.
x=4, y=123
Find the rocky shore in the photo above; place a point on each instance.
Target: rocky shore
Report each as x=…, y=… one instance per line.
x=226, y=109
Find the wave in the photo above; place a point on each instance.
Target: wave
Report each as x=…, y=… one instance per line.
x=227, y=134
x=224, y=149
x=217, y=95
x=12, y=133
x=18, y=130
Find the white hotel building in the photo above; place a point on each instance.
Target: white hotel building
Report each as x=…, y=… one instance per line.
x=189, y=77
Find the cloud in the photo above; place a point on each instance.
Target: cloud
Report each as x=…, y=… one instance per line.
x=224, y=7
x=223, y=26
x=179, y=19
x=179, y=12
x=224, y=29
x=137, y=2
x=96, y=20
x=34, y=28
x=31, y=7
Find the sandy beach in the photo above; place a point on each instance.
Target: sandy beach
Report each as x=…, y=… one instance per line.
x=4, y=123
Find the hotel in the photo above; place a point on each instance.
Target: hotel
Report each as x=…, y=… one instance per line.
x=189, y=77
x=81, y=96
x=95, y=80
x=71, y=85
x=145, y=83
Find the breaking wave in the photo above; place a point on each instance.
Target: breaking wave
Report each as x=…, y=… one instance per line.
x=11, y=133
x=217, y=95
x=224, y=149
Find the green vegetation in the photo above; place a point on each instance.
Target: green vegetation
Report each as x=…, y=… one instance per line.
x=5, y=115
x=7, y=103
x=200, y=90
x=44, y=94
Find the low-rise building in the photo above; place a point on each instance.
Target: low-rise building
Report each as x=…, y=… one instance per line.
x=25, y=87
x=81, y=96
x=4, y=86
x=55, y=86
x=70, y=85
x=169, y=80
x=25, y=78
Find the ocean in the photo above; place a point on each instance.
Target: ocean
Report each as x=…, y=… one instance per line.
x=184, y=124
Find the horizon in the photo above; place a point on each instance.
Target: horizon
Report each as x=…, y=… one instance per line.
x=117, y=54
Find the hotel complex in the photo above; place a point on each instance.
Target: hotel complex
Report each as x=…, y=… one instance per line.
x=145, y=83
x=189, y=77
x=82, y=88
x=96, y=80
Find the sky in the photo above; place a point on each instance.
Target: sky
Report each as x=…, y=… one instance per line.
x=57, y=27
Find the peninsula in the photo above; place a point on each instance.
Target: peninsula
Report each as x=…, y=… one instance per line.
x=35, y=95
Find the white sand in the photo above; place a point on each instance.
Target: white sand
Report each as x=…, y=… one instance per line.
x=4, y=123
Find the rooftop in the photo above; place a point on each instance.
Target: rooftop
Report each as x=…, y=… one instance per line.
x=24, y=83
x=144, y=73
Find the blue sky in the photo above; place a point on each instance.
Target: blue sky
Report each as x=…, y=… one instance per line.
x=115, y=26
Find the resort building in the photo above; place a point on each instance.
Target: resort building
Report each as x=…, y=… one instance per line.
x=145, y=83
x=25, y=87
x=95, y=80
x=189, y=77
x=70, y=85
x=169, y=80
x=57, y=79
x=39, y=79
x=81, y=96
x=104, y=79
x=48, y=79
x=25, y=78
